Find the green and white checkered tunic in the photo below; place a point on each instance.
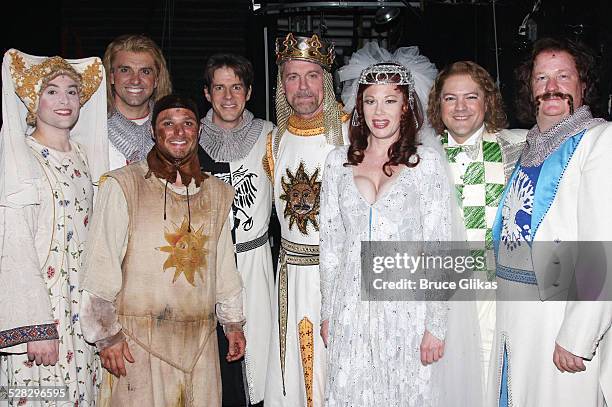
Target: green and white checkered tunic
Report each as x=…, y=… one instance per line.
x=479, y=179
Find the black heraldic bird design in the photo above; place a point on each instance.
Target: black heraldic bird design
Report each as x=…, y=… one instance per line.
x=242, y=181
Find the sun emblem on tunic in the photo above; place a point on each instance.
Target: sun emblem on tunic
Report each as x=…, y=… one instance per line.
x=186, y=251
x=301, y=192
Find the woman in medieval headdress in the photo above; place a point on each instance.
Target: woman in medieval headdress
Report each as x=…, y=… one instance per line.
x=390, y=184
x=54, y=119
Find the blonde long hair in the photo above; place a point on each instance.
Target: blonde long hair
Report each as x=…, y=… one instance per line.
x=136, y=43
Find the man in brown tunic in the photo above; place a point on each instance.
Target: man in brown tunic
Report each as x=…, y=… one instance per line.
x=160, y=271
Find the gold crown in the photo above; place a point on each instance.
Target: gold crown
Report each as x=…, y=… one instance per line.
x=311, y=49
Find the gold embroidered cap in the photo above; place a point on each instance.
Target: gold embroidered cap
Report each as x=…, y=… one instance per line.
x=29, y=73
x=311, y=49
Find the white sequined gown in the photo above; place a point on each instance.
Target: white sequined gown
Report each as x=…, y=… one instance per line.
x=373, y=353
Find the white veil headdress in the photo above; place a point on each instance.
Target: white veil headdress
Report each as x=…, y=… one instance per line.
x=20, y=90
x=457, y=379
x=20, y=173
x=423, y=73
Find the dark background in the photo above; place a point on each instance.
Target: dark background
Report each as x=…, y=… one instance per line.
x=190, y=30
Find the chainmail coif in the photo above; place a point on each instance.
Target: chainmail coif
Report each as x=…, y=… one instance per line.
x=541, y=144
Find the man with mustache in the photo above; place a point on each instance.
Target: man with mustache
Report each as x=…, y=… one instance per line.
x=466, y=110
x=233, y=142
x=310, y=123
x=160, y=272
x=136, y=76
x=558, y=195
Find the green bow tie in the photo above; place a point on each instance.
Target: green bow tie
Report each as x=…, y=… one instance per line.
x=471, y=151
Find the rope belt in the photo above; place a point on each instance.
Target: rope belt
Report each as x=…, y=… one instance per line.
x=188, y=372
x=252, y=244
x=299, y=255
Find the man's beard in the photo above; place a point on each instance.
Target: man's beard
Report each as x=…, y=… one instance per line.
x=307, y=107
x=550, y=95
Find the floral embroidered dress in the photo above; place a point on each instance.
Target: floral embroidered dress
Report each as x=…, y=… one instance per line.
x=59, y=229
x=373, y=354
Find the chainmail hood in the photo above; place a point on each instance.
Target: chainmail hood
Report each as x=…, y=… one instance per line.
x=540, y=145
x=132, y=140
x=332, y=111
x=229, y=145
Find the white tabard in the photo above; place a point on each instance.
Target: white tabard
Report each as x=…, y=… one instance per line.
x=250, y=219
x=296, y=370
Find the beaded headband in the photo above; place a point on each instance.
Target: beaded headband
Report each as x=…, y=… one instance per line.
x=386, y=74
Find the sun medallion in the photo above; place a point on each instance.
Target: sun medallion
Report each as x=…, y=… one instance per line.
x=186, y=251
x=301, y=193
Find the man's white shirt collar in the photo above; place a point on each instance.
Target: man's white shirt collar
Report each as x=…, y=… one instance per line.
x=142, y=120
x=470, y=141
